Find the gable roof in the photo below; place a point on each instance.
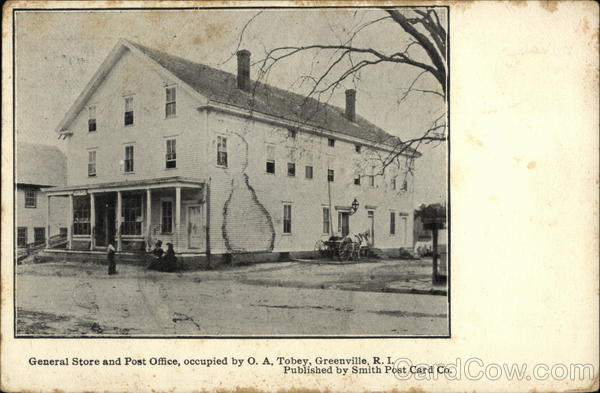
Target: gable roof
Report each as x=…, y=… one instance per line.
x=221, y=87
x=41, y=165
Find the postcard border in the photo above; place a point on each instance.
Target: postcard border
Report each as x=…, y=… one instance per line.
x=240, y=337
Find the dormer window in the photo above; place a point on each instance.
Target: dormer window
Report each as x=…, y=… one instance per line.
x=128, y=110
x=91, y=118
x=171, y=102
x=331, y=142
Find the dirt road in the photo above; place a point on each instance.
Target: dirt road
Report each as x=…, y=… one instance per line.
x=290, y=298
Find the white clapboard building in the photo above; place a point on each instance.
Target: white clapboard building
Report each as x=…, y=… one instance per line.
x=161, y=147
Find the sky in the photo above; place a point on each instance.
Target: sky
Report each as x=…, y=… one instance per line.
x=58, y=52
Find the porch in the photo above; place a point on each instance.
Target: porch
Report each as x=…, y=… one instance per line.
x=133, y=215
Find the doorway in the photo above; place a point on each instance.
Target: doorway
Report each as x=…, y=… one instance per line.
x=344, y=223
x=105, y=219
x=194, y=227
x=371, y=220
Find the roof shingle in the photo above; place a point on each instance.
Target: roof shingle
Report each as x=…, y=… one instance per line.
x=221, y=86
x=40, y=165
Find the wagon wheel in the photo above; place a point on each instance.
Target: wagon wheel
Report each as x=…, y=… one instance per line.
x=320, y=249
x=345, y=252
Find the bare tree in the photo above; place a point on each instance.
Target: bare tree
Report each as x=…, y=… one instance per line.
x=422, y=44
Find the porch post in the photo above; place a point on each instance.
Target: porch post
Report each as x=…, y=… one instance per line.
x=92, y=222
x=177, y=215
x=47, y=221
x=70, y=232
x=118, y=220
x=148, y=218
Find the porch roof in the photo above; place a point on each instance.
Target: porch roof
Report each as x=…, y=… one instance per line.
x=164, y=182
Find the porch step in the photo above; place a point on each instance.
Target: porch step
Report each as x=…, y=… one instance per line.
x=185, y=261
x=87, y=256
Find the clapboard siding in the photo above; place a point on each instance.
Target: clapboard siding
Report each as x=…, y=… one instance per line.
x=148, y=134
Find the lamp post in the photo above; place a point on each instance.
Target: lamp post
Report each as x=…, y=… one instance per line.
x=434, y=224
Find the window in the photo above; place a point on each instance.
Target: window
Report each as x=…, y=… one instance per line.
x=171, y=156
x=404, y=185
x=287, y=218
x=291, y=169
x=39, y=235
x=357, y=148
x=171, y=102
x=30, y=198
x=132, y=215
x=81, y=215
x=128, y=159
x=326, y=220
x=393, y=183
x=270, y=159
x=292, y=133
x=166, y=216
x=91, y=162
x=330, y=175
x=372, y=177
x=128, y=110
x=357, y=180
x=331, y=142
x=222, y=151
x=308, y=172
x=392, y=223
x=21, y=236
x=92, y=118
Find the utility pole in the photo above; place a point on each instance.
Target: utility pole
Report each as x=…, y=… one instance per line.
x=434, y=231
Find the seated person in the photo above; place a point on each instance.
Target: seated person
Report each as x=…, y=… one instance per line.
x=157, y=253
x=170, y=260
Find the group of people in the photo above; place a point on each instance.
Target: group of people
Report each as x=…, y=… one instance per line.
x=161, y=261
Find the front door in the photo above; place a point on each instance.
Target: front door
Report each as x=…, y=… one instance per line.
x=371, y=219
x=105, y=220
x=344, y=223
x=194, y=227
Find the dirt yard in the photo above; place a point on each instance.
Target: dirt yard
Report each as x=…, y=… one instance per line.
x=285, y=298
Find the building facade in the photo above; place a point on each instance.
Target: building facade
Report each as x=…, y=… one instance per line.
x=31, y=204
x=160, y=147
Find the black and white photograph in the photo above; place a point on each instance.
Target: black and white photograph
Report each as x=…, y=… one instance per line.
x=232, y=172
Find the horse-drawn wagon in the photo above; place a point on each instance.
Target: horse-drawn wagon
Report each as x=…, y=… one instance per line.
x=343, y=248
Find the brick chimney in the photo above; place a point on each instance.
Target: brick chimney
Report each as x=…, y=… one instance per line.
x=243, y=73
x=351, y=104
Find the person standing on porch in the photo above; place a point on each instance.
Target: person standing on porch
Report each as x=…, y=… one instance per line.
x=110, y=255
